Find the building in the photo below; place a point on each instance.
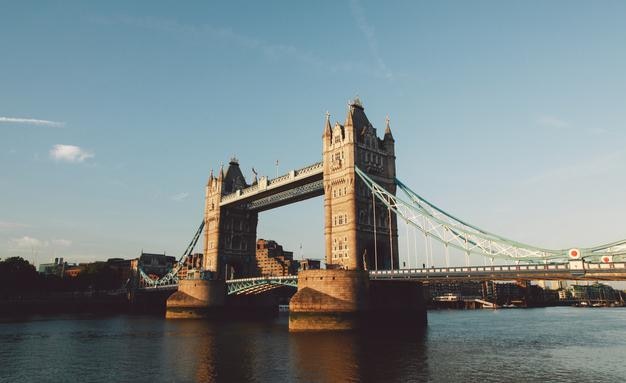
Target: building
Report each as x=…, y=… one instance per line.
x=193, y=262
x=461, y=289
x=57, y=268
x=155, y=265
x=309, y=264
x=598, y=292
x=73, y=271
x=272, y=260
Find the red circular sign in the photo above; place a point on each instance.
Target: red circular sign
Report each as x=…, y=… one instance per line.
x=574, y=253
x=606, y=259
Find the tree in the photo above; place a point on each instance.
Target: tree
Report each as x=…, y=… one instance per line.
x=17, y=275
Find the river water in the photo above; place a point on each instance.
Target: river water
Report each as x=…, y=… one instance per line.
x=559, y=344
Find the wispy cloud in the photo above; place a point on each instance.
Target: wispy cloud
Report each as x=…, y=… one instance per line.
x=27, y=242
x=589, y=167
x=358, y=13
x=11, y=225
x=552, y=122
x=70, y=153
x=180, y=197
x=61, y=242
x=272, y=50
x=31, y=121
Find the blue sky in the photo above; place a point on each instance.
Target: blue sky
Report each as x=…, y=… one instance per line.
x=511, y=115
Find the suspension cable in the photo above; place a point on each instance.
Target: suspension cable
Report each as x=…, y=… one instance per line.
x=390, y=237
x=375, y=243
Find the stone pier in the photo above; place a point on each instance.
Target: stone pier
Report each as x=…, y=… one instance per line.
x=196, y=298
x=329, y=300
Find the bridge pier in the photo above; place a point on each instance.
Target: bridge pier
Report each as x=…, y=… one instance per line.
x=196, y=298
x=329, y=300
x=336, y=299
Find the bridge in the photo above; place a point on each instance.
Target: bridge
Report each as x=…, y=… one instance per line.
x=364, y=201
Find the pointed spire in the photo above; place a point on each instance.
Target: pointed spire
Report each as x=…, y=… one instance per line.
x=327, y=128
x=220, y=177
x=210, y=181
x=387, y=127
x=349, y=116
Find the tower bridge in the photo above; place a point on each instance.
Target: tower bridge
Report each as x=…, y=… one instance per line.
x=357, y=179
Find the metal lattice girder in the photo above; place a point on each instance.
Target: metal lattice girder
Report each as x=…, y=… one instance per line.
x=266, y=187
x=257, y=285
x=299, y=193
x=451, y=231
x=171, y=278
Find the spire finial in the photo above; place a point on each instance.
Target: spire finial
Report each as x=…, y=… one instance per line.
x=327, y=127
x=387, y=125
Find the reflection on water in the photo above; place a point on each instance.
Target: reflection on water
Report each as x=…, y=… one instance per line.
x=556, y=344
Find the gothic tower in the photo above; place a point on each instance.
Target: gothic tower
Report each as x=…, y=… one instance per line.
x=229, y=232
x=352, y=216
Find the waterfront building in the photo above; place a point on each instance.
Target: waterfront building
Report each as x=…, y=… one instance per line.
x=596, y=292
x=564, y=295
x=155, y=264
x=191, y=263
x=272, y=260
x=460, y=289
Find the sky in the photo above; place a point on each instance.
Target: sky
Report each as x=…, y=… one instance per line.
x=510, y=115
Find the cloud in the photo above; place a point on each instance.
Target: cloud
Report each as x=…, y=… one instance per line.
x=583, y=168
x=275, y=51
x=31, y=121
x=358, y=13
x=552, y=122
x=11, y=225
x=70, y=153
x=27, y=242
x=30, y=243
x=180, y=197
x=61, y=242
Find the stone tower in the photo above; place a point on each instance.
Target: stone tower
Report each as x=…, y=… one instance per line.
x=350, y=216
x=229, y=232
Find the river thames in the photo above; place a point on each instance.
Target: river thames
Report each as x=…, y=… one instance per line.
x=559, y=344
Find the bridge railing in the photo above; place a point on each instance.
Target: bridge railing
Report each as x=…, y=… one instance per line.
x=551, y=267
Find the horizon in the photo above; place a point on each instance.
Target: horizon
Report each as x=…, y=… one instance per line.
x=112, y=116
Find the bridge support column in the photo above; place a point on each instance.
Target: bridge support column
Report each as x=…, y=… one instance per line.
x=196, y=298
x=329, y=300
x=335, y=299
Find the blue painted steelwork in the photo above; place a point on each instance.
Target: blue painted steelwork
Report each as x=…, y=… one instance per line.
x=435, y=223
x=260, y=284
x=171, y=278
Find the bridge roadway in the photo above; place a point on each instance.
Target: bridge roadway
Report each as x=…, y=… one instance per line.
x=553, y=271
x=297, y=185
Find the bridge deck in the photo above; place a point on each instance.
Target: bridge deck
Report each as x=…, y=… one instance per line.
x=294, y=186
x=556, y=271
